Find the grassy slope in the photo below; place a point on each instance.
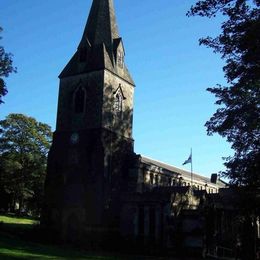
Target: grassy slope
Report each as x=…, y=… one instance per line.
x=13, y=248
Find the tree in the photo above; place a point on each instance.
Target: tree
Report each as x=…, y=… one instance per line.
x=238, y=115
x=6, y=68
x=24, y=144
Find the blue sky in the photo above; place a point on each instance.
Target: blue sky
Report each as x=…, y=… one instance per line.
x=170, y=69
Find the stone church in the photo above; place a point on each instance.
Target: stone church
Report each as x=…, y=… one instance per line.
x=97, y=188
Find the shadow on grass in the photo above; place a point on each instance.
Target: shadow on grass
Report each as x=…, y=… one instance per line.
x=22, y=240
x=12, y=248
x=16, y=226
x=19, y=240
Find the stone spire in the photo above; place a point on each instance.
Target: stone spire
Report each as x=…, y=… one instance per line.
x=101, y=26
x=99, y=45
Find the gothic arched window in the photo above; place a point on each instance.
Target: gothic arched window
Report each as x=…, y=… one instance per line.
x=79, y=100
x=118, y=102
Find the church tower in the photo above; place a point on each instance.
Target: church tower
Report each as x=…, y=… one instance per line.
x=93, y=141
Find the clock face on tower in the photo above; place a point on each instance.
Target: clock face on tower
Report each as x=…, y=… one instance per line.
x=74, y=138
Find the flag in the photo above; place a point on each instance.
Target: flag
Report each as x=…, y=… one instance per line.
x=188, y=160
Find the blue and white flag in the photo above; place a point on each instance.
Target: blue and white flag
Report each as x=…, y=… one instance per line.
x=188, y=160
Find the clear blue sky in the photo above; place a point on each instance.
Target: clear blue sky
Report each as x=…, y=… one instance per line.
x=170, y=69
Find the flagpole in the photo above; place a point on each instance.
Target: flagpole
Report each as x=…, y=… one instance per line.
x=189, y=160
x=191, y=169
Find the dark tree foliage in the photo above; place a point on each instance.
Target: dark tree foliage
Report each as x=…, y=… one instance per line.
x=24, y=144
x=6, y=67
x=238, y=115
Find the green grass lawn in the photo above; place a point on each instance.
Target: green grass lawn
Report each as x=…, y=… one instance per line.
x=9, y=219
x=13, y=248
x=15, y=224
